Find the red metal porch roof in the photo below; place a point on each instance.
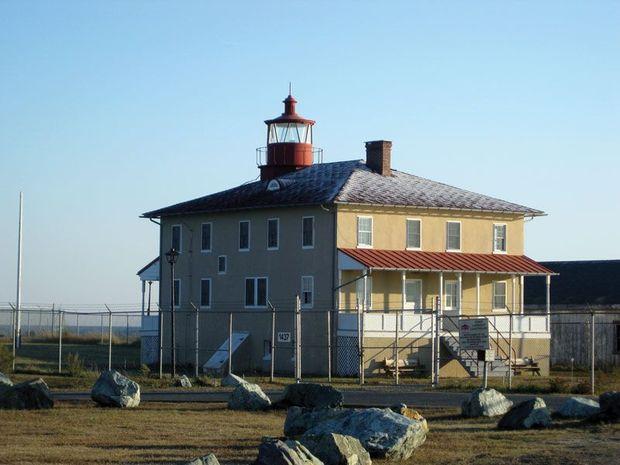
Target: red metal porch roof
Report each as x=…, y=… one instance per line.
x=446, y=261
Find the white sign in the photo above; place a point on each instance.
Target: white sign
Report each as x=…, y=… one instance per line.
x=284, y=337
x=474, y=333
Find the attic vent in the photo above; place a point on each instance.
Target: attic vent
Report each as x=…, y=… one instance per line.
x=273, y=185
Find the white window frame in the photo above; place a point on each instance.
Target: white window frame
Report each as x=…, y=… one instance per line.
x=307, y=247
x=256, y=278
x=359, y=244
x=359, y=291
x=495, y=249
x=311, y=280
x=249, y=236
x=225, y=257
x=202, y=225
x=172, y=226
x=178, y=294
x=460, y=236
x=407, y=220
x=493, y=294
x=277, y=220
x=454, y=282
x=210, y=293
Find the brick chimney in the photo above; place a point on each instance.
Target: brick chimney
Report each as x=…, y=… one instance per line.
x=379, y=156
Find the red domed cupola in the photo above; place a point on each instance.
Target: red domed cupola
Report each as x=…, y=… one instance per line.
x=289, y=143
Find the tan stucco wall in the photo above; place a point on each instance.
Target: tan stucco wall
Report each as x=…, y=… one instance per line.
x=389, y=228
x=387, y=290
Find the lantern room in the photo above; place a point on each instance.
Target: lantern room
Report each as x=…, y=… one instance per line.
x=289, y=143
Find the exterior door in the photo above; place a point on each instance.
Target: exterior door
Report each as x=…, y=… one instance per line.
x=451, y=304
x=413, y=294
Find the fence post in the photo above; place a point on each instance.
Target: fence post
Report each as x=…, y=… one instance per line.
x=437, y=342
x=77, y=323
x=230, y=334
x=53, y=305
x=592, y=355
x=127, y=331
x=60, y=324
x=273, y=344
x=329, y=345
x=432, y=345
x=297, y=339
x=396, y=350
x=359, y=340
x=102, y=328
x=196, y=340
x=109, y=338
x=510, y=349
x=13, y=334
x=161, y=342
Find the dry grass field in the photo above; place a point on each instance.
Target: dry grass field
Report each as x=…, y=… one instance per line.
x=158, y=433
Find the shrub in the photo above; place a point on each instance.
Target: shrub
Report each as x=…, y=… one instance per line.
x=144, y=370
x=6, y=359
x=559, y=385
x=75, y=365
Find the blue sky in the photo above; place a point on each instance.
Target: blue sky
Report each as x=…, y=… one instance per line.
x=110, y=109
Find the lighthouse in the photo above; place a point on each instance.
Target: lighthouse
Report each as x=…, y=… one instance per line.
x=289, y=143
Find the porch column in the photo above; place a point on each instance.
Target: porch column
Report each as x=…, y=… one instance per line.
x=522, y=290
x=478, y=293
x=460, y=294
x=440, y=299
x=143, y=292
x=548, y=279
x=514, y=294
x=404, y=289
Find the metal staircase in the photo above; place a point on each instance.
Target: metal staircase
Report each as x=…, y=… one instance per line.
x=469, y=360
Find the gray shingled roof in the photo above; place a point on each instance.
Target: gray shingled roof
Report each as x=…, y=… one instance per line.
x=344, y=182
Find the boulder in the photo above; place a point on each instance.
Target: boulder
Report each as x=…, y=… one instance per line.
x=402, y=409
x=206, y=460
x=232, y=380
x=311, y=395
x=115, y=390
x=299, y=420
x=4, y=380
x=248, y=396
x=183, y=381
x=289, y=452
x=531, y=413
x=610, y=406
x=579, y=407
x=336, y=449
x=382, y=432
x=30, y=395
x=485, y=403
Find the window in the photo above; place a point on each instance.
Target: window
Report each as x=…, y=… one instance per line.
x=307, y=232
x=414, y=238
x=307, y=291
x=205, y=293
x=499, y=295
x=244, y=235
x=177, y=292
x=255, y=292
x=364, y=231
x=273, y=233
x=206, y=237
x=413, y=293
x=499, y=238
x=360, y=292
x=453, y=236
x=175, y=242
x=222, y=263
x=451, y=291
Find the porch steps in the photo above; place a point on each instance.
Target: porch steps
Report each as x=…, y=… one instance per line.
x=468, y=359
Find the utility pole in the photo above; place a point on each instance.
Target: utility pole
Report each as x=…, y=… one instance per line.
x=18, y=300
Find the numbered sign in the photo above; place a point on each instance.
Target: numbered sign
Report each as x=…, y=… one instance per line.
x=284, y=337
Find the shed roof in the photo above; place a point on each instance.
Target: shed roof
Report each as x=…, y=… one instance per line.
x=345, y=182
x=446, y=261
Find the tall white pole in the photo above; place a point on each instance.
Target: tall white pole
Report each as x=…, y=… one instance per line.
x=18, y=300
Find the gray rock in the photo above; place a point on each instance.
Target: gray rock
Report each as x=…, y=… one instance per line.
x=4, y=380
x=30, y=395
x=485, y=403
x=382, y=432
x=248, y=396
x=311, y=395
x=610, y=406
x=232, y=380
x=206, y=460
x=115, y=390
x=183, y=381
x=289, y=452
x=579, y=407
x=336, y=449
x=531, y=413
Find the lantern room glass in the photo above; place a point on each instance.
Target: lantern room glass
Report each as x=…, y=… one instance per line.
x=297, y=133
